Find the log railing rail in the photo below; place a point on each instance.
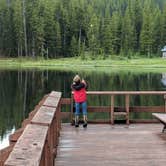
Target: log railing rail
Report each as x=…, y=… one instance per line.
x=128, y=94
x=37, y=145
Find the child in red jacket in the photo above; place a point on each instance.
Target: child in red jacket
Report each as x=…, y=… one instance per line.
x=79, y=90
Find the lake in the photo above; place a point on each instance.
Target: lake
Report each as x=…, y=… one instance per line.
x=21, y=90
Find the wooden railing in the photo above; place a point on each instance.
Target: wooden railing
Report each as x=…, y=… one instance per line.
x=122, y=110
x=4, y=153
x=38, y=142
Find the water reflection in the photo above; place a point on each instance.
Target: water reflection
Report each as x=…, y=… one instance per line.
x=5, y=141
x=22, y=90
x=163, y=80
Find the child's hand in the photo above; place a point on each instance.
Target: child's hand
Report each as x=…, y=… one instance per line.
x=83, y=81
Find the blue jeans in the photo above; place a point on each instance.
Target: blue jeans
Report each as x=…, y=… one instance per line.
x=84, y=108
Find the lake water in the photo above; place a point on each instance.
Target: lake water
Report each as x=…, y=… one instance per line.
x=21, y=90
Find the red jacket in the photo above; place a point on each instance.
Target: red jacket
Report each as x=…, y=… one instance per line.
x=79, y=91
x=80, y=95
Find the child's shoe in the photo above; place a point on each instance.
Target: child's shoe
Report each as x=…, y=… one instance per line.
x=76, y=125
x=85, y=121
x=77, y=121
x=85, y=124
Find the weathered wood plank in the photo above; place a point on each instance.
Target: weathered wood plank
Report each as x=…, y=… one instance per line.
x=122, y=109
x=51, y=102
x=55, y=94
x=29, y=147
x=160, y=116
x=104, y=145
x=14, y=137
x=131, y=109
x=126, y=92
x=44, y=115
x=99, y=108
x=65, y=101
x=4, y=153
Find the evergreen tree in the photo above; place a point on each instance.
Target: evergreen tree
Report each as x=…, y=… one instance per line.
x=136, y=11
x=106, y=35
x=36, y=22
x=146, y=33
x=58, y=40
x=49, y=28
x=163, y=26
x=156, y=32
x=18, y=26
x=93, y=36
x=116, y=32
x=128, y=32
x=73, y=47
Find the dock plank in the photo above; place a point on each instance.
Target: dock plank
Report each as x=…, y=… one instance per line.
x=106, y=145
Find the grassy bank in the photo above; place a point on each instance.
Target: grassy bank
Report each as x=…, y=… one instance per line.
x=153, y=64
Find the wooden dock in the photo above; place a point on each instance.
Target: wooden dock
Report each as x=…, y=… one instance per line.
x=107, y=145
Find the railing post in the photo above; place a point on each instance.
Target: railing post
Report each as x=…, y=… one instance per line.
x=127, y=108
x=165, y=103
x=112, y=109
x=72, y=104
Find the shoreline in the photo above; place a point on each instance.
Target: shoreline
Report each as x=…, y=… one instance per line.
x=70, y=64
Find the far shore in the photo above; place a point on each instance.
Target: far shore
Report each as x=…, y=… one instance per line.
x=76, y=63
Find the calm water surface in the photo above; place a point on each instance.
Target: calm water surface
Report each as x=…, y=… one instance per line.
x=21, y=90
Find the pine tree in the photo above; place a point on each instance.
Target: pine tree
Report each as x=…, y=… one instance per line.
x=50, y=28
x=36, y=22
x=58, y=40
x=18, y=26
x=136, y=15
x=73, y=47
x=128, y=32
x=156, y=32
x=163, y=26
x=93, y=36
x=146, y=33
x=105, y=35
x=116, y=32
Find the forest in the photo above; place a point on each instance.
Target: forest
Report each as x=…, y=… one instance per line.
x=71, y=28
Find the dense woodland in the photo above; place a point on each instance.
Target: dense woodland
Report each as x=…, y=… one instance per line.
x=95, y=28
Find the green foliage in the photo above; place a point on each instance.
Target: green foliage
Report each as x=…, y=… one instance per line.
x=146, y=33
x=65, y=28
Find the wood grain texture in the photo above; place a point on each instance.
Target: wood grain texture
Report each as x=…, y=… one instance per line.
x=29, y=147
x=107, y=145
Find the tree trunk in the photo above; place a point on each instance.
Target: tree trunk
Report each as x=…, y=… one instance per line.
x=79, y=43
x=33, y=47
x=25, y=94
x=24, y=25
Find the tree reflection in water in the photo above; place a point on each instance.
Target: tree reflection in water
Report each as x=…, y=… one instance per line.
x=21, y=90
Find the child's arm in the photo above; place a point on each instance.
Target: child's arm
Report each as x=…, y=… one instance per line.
x=84, y=82
x=78, y=87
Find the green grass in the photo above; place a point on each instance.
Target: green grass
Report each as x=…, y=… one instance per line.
x=76, y=63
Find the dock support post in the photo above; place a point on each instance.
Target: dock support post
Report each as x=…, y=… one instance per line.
x=72, y=104
x=127, y=108
x=112, y=109
x=165, y=103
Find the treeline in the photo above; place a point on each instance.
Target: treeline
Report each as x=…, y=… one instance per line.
x=65, y=28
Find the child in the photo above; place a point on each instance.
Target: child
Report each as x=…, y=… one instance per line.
x=79, y=89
